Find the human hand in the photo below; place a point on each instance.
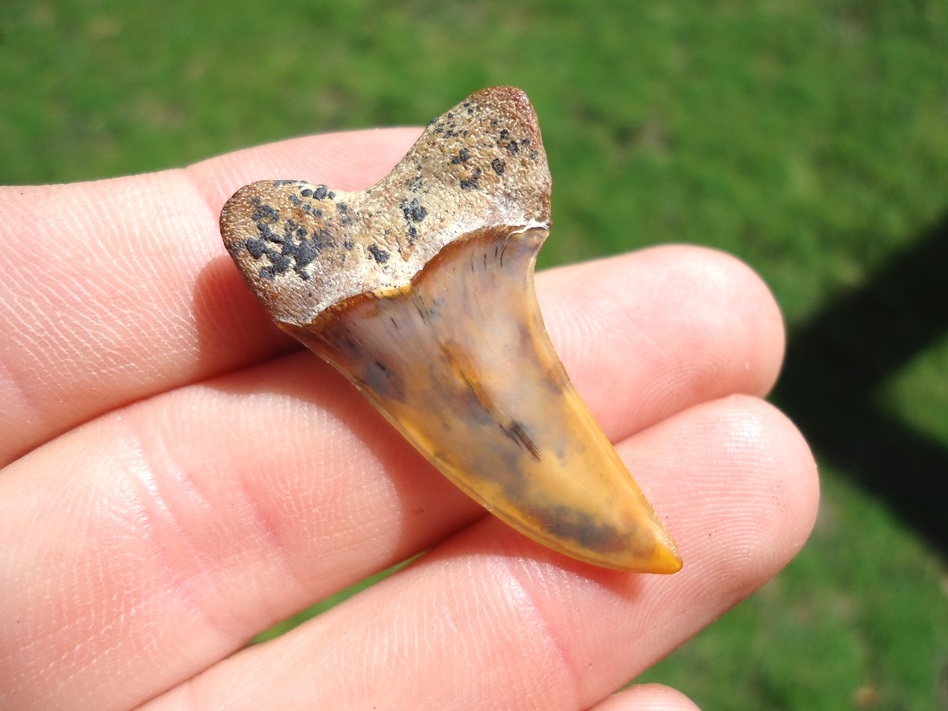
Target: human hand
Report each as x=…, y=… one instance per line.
x=179, y=476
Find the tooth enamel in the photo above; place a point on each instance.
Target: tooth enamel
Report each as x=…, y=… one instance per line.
x=420, y=290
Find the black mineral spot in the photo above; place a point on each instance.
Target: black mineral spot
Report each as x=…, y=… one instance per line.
x=321, y=192
x=265, y=213
x=306, y=192
x=381, y=256
x=413, y=211
x=498, y=165
x=322, y=239
x=332, y=195
x=256, y=247
x=304, y=253
x=462, y=157
x=265, y=232
x=512, y=148
x=472, y=182
x=279, y=262
x=518, y=433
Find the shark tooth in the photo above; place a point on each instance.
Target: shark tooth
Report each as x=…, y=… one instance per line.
x=420, y=291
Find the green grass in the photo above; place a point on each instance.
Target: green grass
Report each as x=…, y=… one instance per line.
x=809, y=138
x=918, y=394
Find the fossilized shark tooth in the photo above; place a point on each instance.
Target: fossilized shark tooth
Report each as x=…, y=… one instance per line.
x=420, y=291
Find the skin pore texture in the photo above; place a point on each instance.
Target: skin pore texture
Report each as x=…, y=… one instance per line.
x=179, y=475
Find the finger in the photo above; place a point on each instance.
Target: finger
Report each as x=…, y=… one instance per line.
x=119, y=289
x=679, y=325
x=180, y=506
x=350, y=160
x=491, y=620
x=647, y=697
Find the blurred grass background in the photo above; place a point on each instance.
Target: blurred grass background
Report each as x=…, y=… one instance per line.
x=809, y=138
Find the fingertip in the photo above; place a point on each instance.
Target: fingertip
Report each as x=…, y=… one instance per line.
x=768, y=318
x=781, y=476
x=735, y=298
x=764, y=497
x=740, y=498
x=802, y=495
x=668, y=326
x=350, y=160
x=647, y=697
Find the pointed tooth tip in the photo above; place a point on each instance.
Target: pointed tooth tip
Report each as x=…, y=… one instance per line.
x=661, y=561
x=665, y=560
x=655, y=552
x=665, y=557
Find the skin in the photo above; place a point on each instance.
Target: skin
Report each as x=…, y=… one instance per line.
x=179, y=475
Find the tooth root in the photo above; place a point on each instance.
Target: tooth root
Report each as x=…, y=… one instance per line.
x=461, y=364
x=420, y=290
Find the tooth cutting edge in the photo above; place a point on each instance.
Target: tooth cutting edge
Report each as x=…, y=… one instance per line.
x=420, y=291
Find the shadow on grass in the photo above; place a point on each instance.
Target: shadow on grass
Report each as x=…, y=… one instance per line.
x=853, y=345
